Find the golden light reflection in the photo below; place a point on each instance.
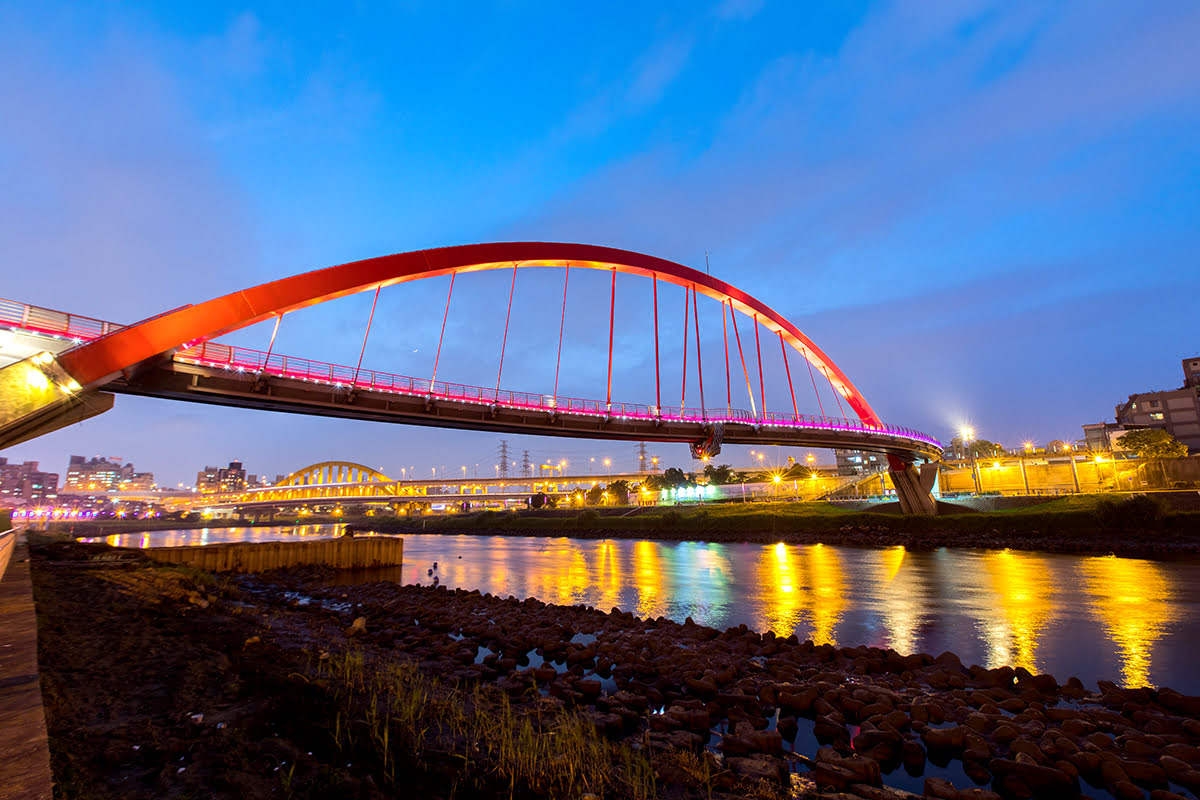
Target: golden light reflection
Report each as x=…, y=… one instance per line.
x=609, y=578
x=647, y=579
x=1133, y=600
x=1023, y=606
x=901, y=604
x=824, y=575
x=783, y=601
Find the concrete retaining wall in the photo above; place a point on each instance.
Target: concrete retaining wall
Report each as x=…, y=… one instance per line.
x=341, y=553
x=8, y=540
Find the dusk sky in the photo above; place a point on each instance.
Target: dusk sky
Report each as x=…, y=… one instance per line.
x=984, y=212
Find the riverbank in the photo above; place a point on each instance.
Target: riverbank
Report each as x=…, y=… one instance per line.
x=1139, y=526
x=162, y=681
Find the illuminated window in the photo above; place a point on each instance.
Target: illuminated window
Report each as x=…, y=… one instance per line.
x=1156, y=415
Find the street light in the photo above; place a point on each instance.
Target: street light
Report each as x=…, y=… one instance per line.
x=967, y=435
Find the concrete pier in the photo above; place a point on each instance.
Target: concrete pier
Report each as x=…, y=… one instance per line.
x=342, y=553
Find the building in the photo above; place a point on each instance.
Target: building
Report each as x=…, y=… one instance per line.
x=212, y=480
x=25, y=484
x=1176, y=411
x=92, y=474
x=856, y=462
x=105, y=475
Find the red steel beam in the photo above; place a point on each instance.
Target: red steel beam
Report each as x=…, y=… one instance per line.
x=97, y=362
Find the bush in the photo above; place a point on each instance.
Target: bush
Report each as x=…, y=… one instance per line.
x=587, y=519
x=1140, y=511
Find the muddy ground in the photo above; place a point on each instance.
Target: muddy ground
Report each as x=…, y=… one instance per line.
x=166, y=682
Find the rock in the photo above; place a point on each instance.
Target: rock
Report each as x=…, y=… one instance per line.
x=358, y=626
x=1143, y=773
x=1040, y=779
x=945, y=739
x=771, y=770
x=1127, y=790
x=940, y=788
x=913, y=755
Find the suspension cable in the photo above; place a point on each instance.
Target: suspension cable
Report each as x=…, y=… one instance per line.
x=370, y=319
x=814, y=381
x=561, y=324
x=504, y=341
x=762, y=392
x=271, y=345
x=612, y=317
x=795, y=408
x=437, y=357
x=742, y=356
x=841, y=410
x=725, y=336
x=683, y=387
x=699, y=361
x=657, y=390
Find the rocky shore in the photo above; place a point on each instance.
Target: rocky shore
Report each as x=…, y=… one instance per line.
x=717, y=713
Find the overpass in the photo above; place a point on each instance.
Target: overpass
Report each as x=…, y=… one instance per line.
x=174, y=355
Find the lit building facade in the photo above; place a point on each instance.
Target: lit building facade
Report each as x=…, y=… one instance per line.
x=1176, y=411
x=25, y=484
x=213, y=480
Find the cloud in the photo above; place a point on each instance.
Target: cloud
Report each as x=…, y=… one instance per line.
x=110, y=188
x=931, y=131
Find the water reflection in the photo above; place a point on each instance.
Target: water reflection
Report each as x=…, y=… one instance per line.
x=901, y=607
x=1133, y=600
x=202, y=536
x=1055, y=613
x=778, y=573
x=824, y=576
x=1023, y=604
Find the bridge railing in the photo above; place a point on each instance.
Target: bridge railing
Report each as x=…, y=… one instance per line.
x=54, y=323
x=246, y=360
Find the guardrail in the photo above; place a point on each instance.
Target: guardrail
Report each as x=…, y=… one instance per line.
x=246, y=360
x=252, y=362
x=54, y=323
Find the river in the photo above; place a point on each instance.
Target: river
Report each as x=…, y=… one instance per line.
x=1132, y=621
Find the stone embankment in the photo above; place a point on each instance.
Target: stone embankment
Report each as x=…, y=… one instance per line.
x=747, y=696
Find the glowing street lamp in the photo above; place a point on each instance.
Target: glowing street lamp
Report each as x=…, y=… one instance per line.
x=968, y=434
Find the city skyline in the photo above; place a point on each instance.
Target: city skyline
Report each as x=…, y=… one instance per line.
x=985, y=214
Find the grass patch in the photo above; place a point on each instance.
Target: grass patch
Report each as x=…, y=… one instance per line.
x=475, y=737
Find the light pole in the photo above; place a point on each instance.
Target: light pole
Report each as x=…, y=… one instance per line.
x=968, y=434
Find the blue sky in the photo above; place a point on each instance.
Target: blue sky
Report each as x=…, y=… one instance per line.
x=983, y=211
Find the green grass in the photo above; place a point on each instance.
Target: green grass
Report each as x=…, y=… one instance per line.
x=399, y=714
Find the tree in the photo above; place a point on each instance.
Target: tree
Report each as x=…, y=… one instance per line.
x=595, y=495
x=720, y=475
x=673, y=477
x=618, y=492
x=1153, y=443
x=984, y=448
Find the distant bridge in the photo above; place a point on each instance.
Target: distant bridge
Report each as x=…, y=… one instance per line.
x=173, y=356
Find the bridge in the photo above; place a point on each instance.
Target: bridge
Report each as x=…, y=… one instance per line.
x=174, y=355
x=333, y=482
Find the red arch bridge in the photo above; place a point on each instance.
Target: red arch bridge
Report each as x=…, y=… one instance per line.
x=75, y=364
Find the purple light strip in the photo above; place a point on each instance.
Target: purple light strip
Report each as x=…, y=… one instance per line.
x=241, y=359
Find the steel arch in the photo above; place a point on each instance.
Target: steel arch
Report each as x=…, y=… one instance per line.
x=94, y=363
x=296, y=478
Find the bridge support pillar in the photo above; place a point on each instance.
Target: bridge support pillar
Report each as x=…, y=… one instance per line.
x=913, y=487
x=37, y=396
